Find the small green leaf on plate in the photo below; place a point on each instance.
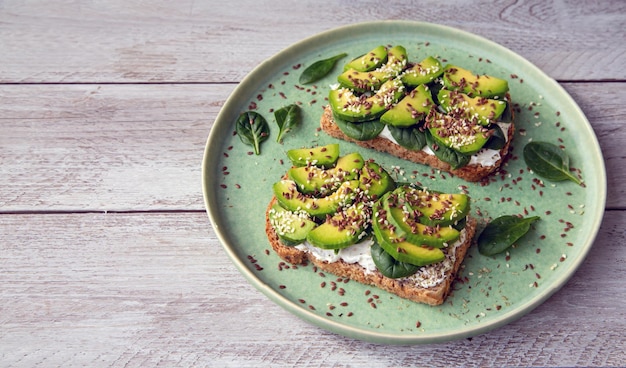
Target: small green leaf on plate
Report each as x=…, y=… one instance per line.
x=287, y=118
x=319, y=69
x=252, y=129
x=503, y=232
x=548, y=161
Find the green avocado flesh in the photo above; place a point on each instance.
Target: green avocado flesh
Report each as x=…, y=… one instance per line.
x=342, y=229
x=369, y=61
x=382, y=89
x=324, y=156
x=409, y=227
x=411, y=224
x=312, y=179
x=434, y=208
x=371, y=80
x=459, y=79
x=423, y=72
x=287, y=194
x=484, y=109
x=350, y=106
x=463, y=135
x=336, y=201
x=411, y=109
x=375, y=181
x=398, y=246
x=292, y=227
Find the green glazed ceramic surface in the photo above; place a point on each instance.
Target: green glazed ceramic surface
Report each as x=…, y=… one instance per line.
x=490, y=291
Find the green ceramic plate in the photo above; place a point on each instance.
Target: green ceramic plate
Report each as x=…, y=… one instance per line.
x=493, y=291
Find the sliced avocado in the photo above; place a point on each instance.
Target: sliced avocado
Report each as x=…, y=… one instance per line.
x=397, y=246
x=462, y=135
x=434, y=208
x=396, y=61
x=460, y=79
x=409, y=227
x=342, y=229
x=287, y=194
x=352, y=107
x=411, y=109
x=486, y=110
x=291, y=227
x=364, y=81
x=324, y=156
x=351, y=164
x=369, y=61
x=423, y=72
x=375, y=181
x=313, y=179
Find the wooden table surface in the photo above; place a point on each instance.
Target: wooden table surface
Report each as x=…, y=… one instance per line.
x=107, y=257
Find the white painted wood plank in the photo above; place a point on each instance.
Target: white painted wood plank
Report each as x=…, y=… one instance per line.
x=139, y=147
x=85, y=147
x=207, y=41
x=150, y=289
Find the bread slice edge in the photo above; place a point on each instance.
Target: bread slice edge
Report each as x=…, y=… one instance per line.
x=470, y=173
x=435, y=295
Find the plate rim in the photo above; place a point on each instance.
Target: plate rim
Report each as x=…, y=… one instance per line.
x=520, y=310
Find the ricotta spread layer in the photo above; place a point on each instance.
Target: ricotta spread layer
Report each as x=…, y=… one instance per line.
x=485, y=157
x=426, y=277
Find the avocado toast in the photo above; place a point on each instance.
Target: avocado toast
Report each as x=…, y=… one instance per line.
x=443, y=116
x=349, y=217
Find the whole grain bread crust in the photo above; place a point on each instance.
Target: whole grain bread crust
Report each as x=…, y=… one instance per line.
x=470, y=173
x=433, y=296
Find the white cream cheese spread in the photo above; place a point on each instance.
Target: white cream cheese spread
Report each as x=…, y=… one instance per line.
x=485, y=157
x=426, y=277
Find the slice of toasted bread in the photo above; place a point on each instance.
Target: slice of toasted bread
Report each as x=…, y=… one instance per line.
x=471, y=172
x=407, y=288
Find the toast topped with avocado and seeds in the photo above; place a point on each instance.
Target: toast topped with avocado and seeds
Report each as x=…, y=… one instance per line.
x=445, y=117
x=350, y=218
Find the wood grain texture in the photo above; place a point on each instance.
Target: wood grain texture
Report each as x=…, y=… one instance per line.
x=207, y=41
x=82, y=152
x=80, y=143
x=131, y=290
x=100, y=269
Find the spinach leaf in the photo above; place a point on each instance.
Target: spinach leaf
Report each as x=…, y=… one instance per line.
x=460, y=225
x=319, y=69
x=252, y=129
x=446, y=154
x=548, y=161
x=503, y=232
x=507, y=114
x=411, y=138
x=363, y=131
x=497, y=139
x=287, y=118
x=434, y=87
x=389, y=266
